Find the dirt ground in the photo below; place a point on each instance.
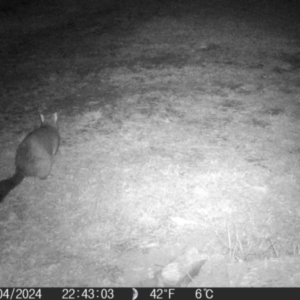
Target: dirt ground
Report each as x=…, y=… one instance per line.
x=180, y=126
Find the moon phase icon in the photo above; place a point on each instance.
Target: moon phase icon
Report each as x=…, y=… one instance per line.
x=135, y=294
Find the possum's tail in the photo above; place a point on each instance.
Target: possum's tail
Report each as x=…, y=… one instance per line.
x=8, y=184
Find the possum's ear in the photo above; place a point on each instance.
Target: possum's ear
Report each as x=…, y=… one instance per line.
x=55, y=117
x=42, y=118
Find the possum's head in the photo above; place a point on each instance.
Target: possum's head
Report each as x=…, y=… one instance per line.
x=50, y=121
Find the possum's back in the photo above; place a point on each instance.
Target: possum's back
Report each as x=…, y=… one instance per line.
x=35, y=154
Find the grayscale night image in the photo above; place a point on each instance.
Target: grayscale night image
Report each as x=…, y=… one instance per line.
x=149, y=143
